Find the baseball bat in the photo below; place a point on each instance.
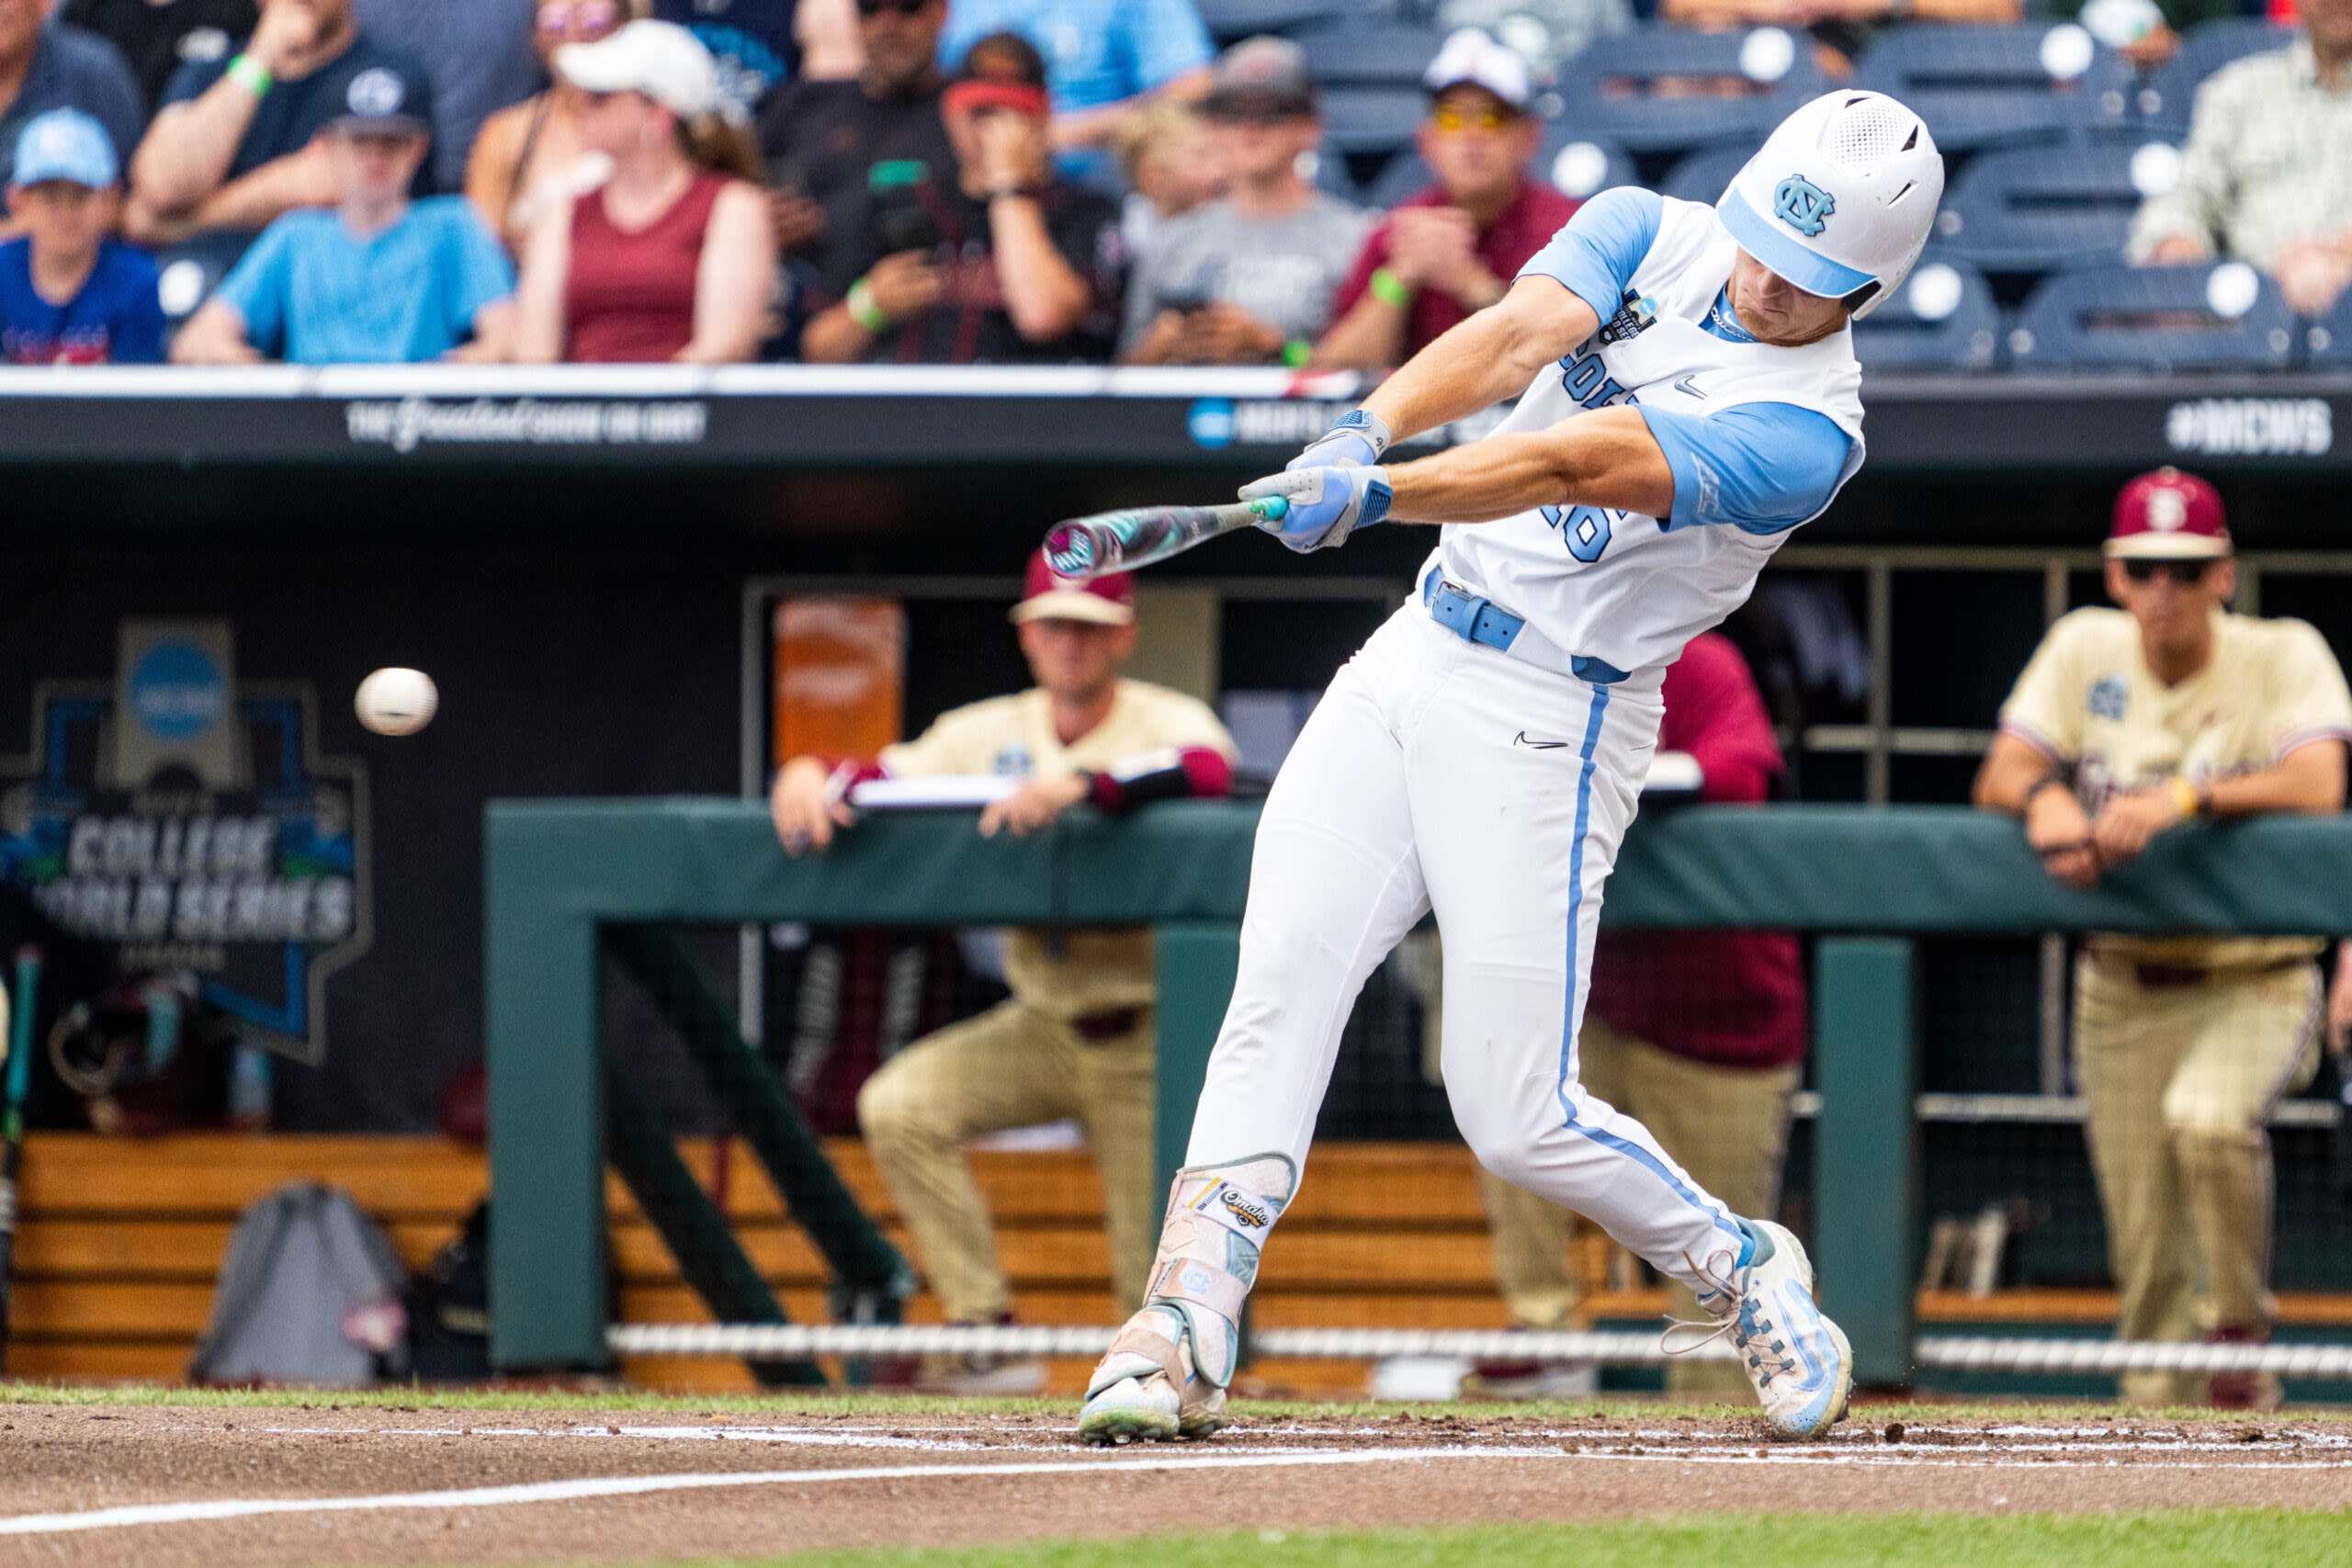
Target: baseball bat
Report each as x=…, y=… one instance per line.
x=1121, y=541
x=12, y=1122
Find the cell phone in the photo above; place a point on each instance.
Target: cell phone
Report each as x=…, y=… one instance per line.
x=902, y=218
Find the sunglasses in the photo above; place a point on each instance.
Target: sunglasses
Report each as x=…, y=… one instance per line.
x=568, y=18
x=1446, y=116
x=2187, y=573
x=871, y=9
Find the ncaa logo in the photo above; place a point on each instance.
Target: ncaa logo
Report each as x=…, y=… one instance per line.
x=1802, y=205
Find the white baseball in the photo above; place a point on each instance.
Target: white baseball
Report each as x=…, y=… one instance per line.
x=396, y=701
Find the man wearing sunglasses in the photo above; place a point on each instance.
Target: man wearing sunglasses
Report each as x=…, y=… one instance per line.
x=1445, y=251
x=2126, y=724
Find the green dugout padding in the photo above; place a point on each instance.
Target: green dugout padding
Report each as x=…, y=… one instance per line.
x=555, y=870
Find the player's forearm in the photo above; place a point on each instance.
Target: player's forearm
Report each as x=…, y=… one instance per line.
x=1608, y=458
x=2011, y=768
x=2310, y=781
x=1490, y=356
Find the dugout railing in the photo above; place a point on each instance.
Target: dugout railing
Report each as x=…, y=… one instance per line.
x=562, y=877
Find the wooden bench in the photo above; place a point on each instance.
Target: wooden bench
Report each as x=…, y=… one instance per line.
x=119, y=1241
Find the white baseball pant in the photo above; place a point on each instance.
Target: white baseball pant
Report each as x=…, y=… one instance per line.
x=1438, y=774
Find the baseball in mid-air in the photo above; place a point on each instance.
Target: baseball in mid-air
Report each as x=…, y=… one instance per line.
x=396, y=701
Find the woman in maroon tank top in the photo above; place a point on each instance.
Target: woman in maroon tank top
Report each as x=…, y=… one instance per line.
x=672, y=258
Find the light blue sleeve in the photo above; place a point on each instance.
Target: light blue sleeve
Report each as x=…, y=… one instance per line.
x=1761, y=467
x=1164, y=40
x=259, y=284
x=968, y=22
x=1595, y=252
x=478, y=269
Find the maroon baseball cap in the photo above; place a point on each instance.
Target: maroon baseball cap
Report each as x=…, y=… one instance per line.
x=2168, y=515
x=1108, y=600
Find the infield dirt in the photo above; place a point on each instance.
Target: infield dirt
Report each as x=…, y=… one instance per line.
x=743, y=1483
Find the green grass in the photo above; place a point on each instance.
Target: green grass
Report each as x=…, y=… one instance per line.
x=786, y=1406
x=2219, y=1537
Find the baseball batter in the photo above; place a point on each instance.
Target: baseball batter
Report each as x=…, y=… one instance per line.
x=1687, y=395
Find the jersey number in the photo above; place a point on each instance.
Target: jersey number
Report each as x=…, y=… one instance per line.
x=1584, y=529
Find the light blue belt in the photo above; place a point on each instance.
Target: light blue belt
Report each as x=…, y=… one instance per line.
x=1487, y=624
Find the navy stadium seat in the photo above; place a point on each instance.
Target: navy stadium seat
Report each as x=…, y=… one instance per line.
x=1370, y=54
x=1664, y=89
x=2170, y=94
x=1231, y=20
x=2041, y=209
x=1942, y=318
x=1576, y=166
x=1372, y=119
x=2329, y=339
x=1703, y=175
x=1980, y=86
x=2158, y=318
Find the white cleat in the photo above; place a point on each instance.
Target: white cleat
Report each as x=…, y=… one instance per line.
x=1797, y=1360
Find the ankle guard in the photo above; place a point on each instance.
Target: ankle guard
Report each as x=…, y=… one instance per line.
x=1218, y=1216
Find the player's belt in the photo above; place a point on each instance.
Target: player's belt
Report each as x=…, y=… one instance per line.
x=1487, y=624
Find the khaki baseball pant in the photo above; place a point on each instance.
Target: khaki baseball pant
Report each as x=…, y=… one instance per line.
x=1727, y=1126
x=2180, y=1082
x=1012, y=1066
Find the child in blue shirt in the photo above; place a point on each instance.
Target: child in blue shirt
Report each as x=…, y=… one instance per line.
x=68, y=294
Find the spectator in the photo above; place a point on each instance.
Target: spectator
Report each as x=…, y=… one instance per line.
x=821, y=139
x=1841, y=29
x=1453, y=248
x=1248, y=278
x=46, y=66
x=379, y=280
x=237, y=141
x=1700, y=1034
x=1077, y=1038
x=68, y=294
x=759, y=45
x=2126, y=724
x=1546, y=33
x=157, y=36
x=479, y=56
x=2267, y=177
x=1007, y=264
x=669, y=259
x=1169, y=168
x=532, y=153
x=1104, y=60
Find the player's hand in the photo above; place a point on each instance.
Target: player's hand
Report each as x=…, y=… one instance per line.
x=2060, y=834
x=2127, y=822
x=1326, y=504
x=1034, y=806
x=1356, y=442
x=804, y=808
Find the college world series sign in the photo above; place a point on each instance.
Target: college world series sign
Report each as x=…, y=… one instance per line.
x=186, y=818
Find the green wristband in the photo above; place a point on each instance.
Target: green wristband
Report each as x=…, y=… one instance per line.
x=1297, y=352
x=249, y=74
x=1389, y=289
x=863, y=310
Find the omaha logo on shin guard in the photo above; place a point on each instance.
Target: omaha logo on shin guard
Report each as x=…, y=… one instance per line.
x=1242, y=1209
x=1802, y=205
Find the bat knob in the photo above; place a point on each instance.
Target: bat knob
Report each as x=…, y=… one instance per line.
x=1271, y=508
x=1070, y=552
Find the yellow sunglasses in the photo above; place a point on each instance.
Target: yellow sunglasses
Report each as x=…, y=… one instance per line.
x=1446, y=116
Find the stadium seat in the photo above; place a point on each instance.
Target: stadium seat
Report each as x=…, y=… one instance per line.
x=1702, y=176
x=2329, y=339
x=1374, y=54
x=1943, y=318
x=1372, y=119
x=1662, y=89
x=2041, y=209
x=2159, y=318
x=1230, y=19
x=1576, y=164
x=1979, y=86
x=2170, y=94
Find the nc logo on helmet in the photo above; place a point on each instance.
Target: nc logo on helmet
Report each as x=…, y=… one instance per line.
x=1802, y=205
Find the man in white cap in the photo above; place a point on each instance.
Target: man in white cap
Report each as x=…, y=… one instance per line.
x=1076, y=1040
x=1448, y=249
x=1688, y=394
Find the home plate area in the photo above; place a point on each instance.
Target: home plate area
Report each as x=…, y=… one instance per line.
x=162, y=1485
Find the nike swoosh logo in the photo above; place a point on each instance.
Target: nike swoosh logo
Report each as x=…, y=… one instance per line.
x=1521, y=739
x=1684, y=386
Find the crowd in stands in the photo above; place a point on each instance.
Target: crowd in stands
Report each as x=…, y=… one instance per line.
x=1005, y=181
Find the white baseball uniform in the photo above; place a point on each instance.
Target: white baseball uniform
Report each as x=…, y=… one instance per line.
x=1483, y=753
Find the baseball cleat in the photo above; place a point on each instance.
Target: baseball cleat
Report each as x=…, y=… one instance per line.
x=1797, y=1360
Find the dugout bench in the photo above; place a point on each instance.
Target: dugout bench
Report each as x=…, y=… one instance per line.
x=1866, y=880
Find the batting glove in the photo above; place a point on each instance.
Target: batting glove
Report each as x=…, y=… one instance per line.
x=1356, y=442
x=1326, y=504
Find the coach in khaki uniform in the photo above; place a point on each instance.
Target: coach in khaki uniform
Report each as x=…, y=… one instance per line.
x=1075, y=1040
x=2125, y=724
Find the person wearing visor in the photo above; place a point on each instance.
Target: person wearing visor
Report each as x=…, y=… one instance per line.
x=378, y=279
x=531, y=151
x=1687, y=396
x=1005, y=263
x=2126, y=724
x=1445, y=251
x=1250, y=277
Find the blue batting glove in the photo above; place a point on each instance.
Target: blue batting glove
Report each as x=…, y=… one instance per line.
x=1356, y=442
x=1324, y=504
